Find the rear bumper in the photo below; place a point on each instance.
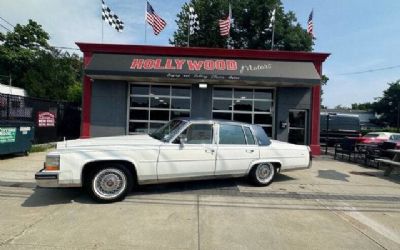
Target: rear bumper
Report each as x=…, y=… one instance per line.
x=46, y=179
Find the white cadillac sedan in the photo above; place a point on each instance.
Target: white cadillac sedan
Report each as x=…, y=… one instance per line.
x=183, y=149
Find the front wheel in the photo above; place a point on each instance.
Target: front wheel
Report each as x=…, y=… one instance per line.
x=262, y=174
x=110, y=183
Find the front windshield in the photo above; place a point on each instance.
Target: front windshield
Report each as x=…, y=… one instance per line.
x=169, y=130
x=370, y=135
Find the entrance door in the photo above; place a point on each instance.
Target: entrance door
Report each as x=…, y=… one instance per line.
x=297, y=127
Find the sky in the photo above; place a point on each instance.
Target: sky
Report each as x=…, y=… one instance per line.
x=360, y=35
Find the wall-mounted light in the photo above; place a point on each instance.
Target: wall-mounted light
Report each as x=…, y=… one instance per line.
x=203, y=85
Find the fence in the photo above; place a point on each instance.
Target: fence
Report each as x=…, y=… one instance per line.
x=52, y=120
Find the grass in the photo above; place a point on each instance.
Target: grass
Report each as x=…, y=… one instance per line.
x=41, y=148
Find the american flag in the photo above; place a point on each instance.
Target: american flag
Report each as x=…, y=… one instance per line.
x=225, y=24
x=310, y=25
x=154, y=20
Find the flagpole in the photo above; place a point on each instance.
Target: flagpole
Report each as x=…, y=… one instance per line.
x=230, y=20
x=145, y=26
x=188, y=36
x=273, y=36
x=102, y=23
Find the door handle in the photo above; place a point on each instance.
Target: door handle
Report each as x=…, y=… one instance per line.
x=250, y=150
x=210, y=150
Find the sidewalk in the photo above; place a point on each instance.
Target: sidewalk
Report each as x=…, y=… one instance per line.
x=20, y=170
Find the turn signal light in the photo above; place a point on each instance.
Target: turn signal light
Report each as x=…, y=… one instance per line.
x=52, y=168
x=52, y=163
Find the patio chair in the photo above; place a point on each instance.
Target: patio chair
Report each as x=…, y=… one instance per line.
x=346, y=146
x=381, y=151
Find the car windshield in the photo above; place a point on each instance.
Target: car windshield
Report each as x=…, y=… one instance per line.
x=169, y=130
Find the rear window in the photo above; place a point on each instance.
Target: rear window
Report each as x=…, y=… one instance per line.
x=261, y=136
x=249, y=136
x=231, y=134
x=395, y=137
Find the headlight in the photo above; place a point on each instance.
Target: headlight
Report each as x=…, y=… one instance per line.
x=52, y=163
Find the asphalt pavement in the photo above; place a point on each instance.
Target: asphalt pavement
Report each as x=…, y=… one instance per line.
x=333, y=205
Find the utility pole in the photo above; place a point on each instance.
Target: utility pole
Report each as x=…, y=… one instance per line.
x=398, y=115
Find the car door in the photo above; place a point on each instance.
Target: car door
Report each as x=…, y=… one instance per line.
x=236, y=150
x=193, y=158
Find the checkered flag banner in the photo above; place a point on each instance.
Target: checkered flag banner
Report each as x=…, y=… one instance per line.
x=109, y=17
x=194, y=24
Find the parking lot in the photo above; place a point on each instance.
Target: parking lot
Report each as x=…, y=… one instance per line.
x=333, y=205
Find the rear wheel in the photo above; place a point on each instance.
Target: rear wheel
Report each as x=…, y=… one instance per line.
x=262, y=174
x=110, y=183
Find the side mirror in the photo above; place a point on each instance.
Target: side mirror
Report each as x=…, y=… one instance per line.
x=182, y=139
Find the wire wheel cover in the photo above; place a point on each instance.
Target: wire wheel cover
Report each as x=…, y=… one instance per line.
x=109, y=183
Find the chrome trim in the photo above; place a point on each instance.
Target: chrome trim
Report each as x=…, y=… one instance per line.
x=190, y=178
x=46, y=179
x=292, y=169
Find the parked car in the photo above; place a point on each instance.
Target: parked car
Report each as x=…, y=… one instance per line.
x=182, y=149
x=338, y=126
x=378, y=137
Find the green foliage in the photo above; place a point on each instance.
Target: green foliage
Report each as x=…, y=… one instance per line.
x=362, y=106
x=341, y=107
x=389, y=105
x=251, y=19
x=34, y=65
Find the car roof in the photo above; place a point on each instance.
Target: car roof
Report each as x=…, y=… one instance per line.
x=213, y=120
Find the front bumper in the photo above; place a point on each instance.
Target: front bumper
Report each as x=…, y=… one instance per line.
x=46, y=179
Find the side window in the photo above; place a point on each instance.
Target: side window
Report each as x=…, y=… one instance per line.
x=199, y=134
x=249, y=136
x=231, y=134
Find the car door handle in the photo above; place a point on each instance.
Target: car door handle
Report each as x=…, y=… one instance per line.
x=210, y=150
x=250, y=150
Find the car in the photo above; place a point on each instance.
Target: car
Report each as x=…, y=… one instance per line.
x=378, y=137
x=183, y=149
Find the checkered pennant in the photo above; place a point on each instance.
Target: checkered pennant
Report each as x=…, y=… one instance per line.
x=109, y=17
x=194, y=24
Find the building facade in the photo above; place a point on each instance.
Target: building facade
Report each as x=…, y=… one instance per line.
x=134, y=89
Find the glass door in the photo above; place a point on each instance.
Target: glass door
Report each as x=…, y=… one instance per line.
x=297, y=127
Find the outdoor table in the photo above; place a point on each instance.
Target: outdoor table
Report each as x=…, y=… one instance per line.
x=395, y=162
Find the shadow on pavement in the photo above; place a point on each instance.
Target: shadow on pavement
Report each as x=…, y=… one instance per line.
x=51, y=196
x=333, y=175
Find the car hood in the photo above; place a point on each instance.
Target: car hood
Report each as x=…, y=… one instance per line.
x=126, y=140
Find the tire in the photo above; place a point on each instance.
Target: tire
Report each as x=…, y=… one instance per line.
x=109, y=183
x=262, y=174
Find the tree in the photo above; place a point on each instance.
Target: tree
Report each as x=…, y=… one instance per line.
x=388, y=106
x=250, y=27
x=341, y=107
x=55, y=75
x=324, y=81
x=45, y=72
x=362, y=106
x=19, y=49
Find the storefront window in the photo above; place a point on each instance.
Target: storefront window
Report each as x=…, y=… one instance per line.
x=153, y=105
x=250, y=105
